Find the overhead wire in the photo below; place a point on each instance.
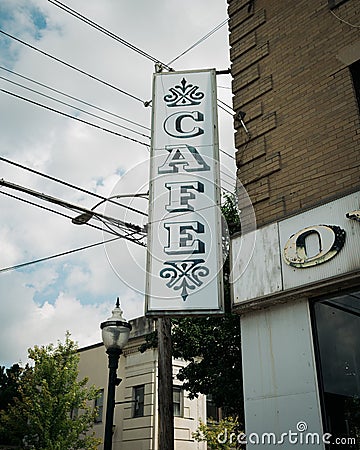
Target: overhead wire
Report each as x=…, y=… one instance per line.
x=108, y=33
x=124, y=229
x=210, y=33
x=51, y=210
x=225, y=104
x=67, y=205
x=57, y=255
x=224, y=109
x=65, y=183
x=74, y=118
x=74, y=98
x=344, y=21
x=73, y=107
x=83, y=72
x=226, y=153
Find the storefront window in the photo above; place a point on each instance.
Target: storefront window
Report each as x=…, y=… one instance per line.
x=337, y=336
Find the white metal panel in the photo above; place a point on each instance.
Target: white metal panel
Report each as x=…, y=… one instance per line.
x=348, y=258
x=279, y=373
x=257, y=273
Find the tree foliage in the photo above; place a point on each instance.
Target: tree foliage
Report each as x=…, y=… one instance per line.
x=9, y=385
x=219, y=436
x=41, y=416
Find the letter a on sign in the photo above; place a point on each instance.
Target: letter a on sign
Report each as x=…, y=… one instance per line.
x=184, y=247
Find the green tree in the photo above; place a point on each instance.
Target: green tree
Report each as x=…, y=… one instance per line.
x=9, y=385
x=49, y=393
x=224, y=435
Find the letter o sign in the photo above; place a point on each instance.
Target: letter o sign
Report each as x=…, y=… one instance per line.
x=330, y=240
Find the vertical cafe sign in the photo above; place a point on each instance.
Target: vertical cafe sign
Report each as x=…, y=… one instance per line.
x=184, y=256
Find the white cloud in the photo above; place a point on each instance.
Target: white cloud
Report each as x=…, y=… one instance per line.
x=77, y=292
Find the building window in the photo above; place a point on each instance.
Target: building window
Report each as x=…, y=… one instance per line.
x=138, y=397
x=212, y=411
x=337, y=343
x=99, y=405
x=355, y=73
x=335, y=3
x=178, y=401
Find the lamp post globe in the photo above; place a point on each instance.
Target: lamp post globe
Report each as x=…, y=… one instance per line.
x=115, y=335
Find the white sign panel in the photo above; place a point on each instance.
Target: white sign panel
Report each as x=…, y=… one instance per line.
x=303, y=252
x=184, y=260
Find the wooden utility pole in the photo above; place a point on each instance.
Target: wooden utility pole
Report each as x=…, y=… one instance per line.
x=165, y=386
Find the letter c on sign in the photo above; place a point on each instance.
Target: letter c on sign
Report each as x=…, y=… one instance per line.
x=331, y=239
x=174, y=126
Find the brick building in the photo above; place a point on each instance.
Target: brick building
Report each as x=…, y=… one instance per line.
x=296, y=75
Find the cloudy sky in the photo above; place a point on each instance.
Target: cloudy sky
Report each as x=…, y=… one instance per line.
x=39, y=302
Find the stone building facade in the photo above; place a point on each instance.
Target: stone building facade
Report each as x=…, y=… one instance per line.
x=136, y=416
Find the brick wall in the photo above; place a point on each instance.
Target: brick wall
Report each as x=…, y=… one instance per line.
x=290, y=67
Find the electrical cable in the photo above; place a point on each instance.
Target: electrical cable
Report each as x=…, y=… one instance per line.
x=225, y=104
x=225, y=153
x=229, y=176
x=57, y=255
x=93, y=77
x=73, y=107
x=74, y=98
x=342, y=20
x=72, y=186
x=200, y=40
x=50, y=210
x=73, y=207
x=221, y=107
x=107, y=32
x=75, y=118
x=127, y=233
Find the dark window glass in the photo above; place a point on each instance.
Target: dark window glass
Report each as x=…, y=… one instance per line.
x=177, y=401
x=99, y=404
x=138, y=410
x=212, y=411
x=355, y=73
x=337, y=329
x=335, y=3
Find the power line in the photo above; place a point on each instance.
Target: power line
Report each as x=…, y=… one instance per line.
x=344, y=21
x=199, y=41
x=225, y=104
x=73, y=107
x=74, y=98
x=72, y=67
x=107, y=32
x=75, y=118
x=224, y=109
x=45, y=208
x=57, y=255
x=68, y=205
x=72, y=186
x=128, y=229
x=225, y=153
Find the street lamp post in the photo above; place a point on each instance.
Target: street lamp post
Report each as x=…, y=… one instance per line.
x=115, y=334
